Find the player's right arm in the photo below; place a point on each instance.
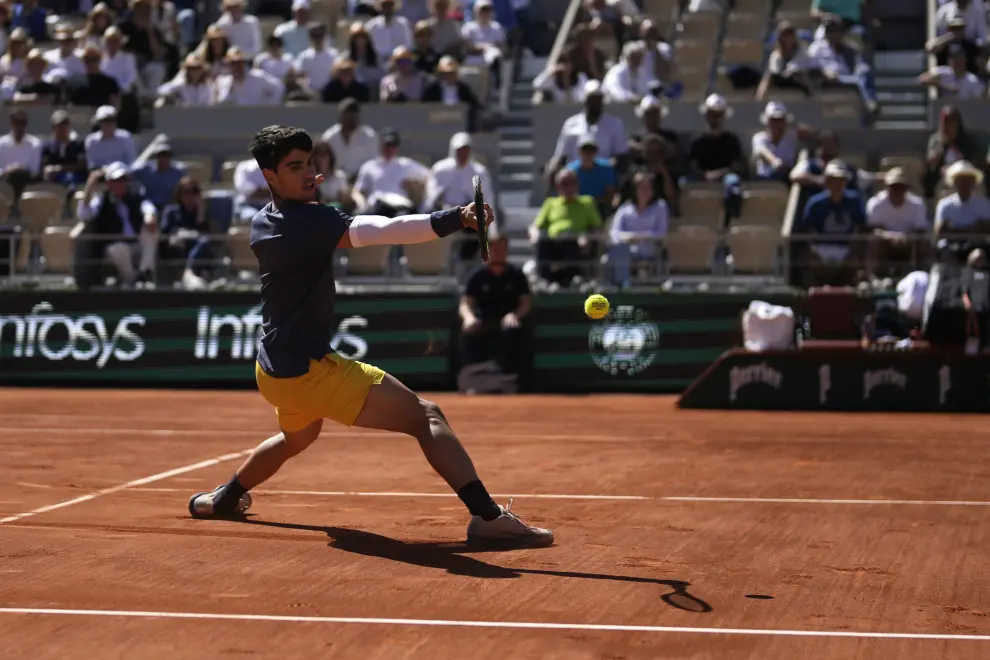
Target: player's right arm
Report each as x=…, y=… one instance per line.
x=366, y=230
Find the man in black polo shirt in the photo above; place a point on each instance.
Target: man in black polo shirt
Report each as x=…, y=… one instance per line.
x=717, y=152
x=63, y=157
x=494, y=310
x=93, y=88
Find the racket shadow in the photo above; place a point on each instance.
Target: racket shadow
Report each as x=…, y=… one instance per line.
x=452, y=558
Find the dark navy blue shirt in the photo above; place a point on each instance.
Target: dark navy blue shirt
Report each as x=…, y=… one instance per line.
x=822, y=215
x=295, y=245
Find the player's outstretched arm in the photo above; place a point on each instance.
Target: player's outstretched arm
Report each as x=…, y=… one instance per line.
x=408, y=229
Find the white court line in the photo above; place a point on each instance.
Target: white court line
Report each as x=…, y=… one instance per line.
x=492, y=624
x=130, y=484
x=561, y=496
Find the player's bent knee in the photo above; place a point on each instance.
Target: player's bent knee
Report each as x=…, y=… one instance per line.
x=432, y=410
x=298, y=441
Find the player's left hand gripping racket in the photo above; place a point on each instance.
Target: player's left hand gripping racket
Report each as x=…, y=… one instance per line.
x=482, y=217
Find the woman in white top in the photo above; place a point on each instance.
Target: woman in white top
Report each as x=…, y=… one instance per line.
x=370, y=63
x=190, y=87
x=562, y=84
x=636, y=228
x=12, y=63
x=118, y=63
x=334, y=189
x=788, y=65
x=274, y=61
x=484, y=37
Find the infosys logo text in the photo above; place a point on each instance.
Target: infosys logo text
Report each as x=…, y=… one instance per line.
x=246, y=332
x=52, y=336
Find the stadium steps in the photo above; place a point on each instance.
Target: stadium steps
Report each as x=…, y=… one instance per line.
x=903, y=103
x=515, y=169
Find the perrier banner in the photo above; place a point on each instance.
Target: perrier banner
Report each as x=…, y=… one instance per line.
x=647, y=343
x=208, y=339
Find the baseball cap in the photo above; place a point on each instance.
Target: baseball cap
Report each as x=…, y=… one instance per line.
x=301, y=4
x=60, y=117
x=587, y=140
x=105, y=112
x=116, y=171
x=460, y=140
x=895, y=176
x=836, y=170
x=390, y=136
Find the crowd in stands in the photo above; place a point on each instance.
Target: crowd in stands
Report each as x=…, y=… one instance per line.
x=118, y=60
x=618, y=199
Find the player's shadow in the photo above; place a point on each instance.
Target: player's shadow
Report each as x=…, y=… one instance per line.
x=450, y=557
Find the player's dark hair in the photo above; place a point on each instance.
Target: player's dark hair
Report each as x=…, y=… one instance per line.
x=270, y=145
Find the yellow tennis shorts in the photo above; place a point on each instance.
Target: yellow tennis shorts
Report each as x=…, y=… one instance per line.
x=335, y=388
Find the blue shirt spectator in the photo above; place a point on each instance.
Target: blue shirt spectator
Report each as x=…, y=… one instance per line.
x=103, y=149
x=832, y=214
x=596, y=178
x=28, y=15
x=159, y=176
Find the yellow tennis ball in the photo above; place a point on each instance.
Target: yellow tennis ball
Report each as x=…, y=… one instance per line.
x=596, y=306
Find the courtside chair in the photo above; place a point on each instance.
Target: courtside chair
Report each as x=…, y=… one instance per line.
x=242, y=258
x=38, y=210
x=764, y=207
x=57, y=247
x=701, y=206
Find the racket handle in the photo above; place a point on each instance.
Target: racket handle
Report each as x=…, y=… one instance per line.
x=482, y=217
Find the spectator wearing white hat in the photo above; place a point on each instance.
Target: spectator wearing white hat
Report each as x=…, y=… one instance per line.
x=609, y=132
x=63, y=63
x=561, y=84
x=775, y=148
x=452, y=183
x=123, y=214
x=388, y=30
x=953, y=80
x=118, y=63
x=391, y=184
x=836, y=215
x=651, y=111
x=449, y=89
x=965, y=211
x=899, y=221
x=629, y=81
x=295, y=33
x=20, y=153
x=315, y=64
x=717, y=152
x=243, y=86
x=243, y=30
x=485, y=40
x=972, y=12
x=109, y=143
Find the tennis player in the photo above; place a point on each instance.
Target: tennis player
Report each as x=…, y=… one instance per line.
x=294, y=238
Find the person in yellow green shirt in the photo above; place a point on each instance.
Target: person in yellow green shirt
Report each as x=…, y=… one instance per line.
x=562, y=230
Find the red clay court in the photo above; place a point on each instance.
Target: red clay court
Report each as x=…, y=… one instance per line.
x=679, y=534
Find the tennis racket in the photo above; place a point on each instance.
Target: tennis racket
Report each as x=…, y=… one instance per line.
x=482, y=216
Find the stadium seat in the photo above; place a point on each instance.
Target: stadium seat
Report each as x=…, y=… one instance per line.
x=746, y=26
x=661, y=9
x=58, y=249
x=761, y=7
x=701, y=206
x=754, y=249
x=48, y=186
x=696, y=51
x=764, y=207
x=703, y=26
x=227, y=171
x=742, y=51
x=198, y=167
x=239, y=247
x=38, y=210
x=427, y=259
x=801, y=19
x=689, y=249
x=371, y=260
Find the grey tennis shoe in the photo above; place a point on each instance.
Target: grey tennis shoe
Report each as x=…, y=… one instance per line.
x=201, y=505
x=507, y=530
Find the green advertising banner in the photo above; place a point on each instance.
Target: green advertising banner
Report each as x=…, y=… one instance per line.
x=647, y=343
x=187, y=339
